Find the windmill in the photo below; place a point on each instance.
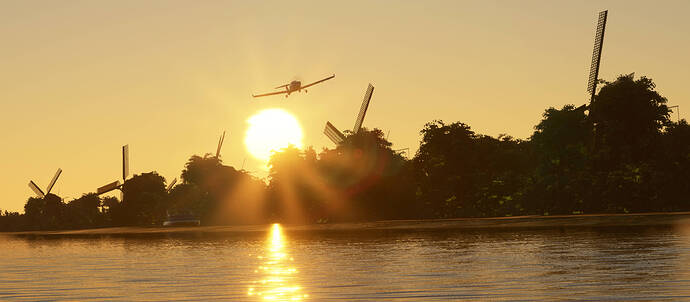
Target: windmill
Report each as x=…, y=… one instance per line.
x=335, y=135
x=125, y=173
x=38, y=190
x=596, y=55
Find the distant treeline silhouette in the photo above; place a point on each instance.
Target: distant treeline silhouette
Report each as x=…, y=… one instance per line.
x=620, y=154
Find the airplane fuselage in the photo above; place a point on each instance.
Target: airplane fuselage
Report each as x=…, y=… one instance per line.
x=293, y=86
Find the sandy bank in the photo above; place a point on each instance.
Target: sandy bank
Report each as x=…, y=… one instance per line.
x=567, y=221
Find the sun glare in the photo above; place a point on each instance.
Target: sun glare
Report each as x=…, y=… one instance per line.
x=271, y=130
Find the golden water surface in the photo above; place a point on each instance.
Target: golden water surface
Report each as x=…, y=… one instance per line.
x=281, y=265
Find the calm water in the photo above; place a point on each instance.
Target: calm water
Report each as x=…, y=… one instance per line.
x=594, y=264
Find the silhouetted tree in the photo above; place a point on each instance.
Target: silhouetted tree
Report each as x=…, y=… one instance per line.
x=374, y=180
x=671, y=170
x=12, y=221
x=219, y=194
x=188, y=198
x=361, y=179
x=44, y=213
x=462, y=174
x=145, y=200
x=84, y=212
x=562, y=148
x=628, y=116
x=290, y=196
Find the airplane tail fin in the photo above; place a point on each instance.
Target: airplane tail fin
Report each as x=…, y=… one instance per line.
x=282, y=86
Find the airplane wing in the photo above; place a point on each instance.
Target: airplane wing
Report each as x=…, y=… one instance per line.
x=312, y=84
x=270, y=93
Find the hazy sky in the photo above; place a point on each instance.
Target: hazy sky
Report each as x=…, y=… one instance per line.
x=78, y=79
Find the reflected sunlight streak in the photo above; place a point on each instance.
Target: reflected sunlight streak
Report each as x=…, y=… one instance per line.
x=277, y=282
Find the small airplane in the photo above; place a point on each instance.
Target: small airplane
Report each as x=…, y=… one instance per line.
x=292, y=87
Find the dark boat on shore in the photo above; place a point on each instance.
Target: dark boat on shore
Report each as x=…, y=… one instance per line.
x=181, y=220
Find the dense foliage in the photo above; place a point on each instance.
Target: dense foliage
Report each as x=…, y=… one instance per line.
x=620, y=154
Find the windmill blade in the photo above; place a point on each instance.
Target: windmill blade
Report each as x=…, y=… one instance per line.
x=170, y=186
x=363, y=109
x=220, y=144
x=333, y=134
x=36, y=189
x=125, y=162
x=109, y=187
x=596, y=53
x=53, y=181
x=403, y=152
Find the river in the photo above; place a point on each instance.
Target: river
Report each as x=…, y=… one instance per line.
x=625, y=263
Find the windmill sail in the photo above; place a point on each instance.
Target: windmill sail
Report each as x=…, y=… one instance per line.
x=109, y=187
x=333, y=134
x=125, y=173
x=170, y=186
x=220, y=144
x=363, y=109
x=125, y=162
x=596, y=54
x=36, y=189
x=53, y=181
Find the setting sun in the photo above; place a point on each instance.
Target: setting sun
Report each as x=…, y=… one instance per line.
x=271, y=130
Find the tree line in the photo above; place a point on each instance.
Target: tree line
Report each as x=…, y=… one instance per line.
x=619, y=154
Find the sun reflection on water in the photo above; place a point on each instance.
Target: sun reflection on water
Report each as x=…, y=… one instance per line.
x=278, y=276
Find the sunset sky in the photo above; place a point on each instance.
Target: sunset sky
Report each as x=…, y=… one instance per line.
x=79, y=79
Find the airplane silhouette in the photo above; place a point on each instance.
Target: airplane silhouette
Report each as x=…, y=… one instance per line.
x=294, y=86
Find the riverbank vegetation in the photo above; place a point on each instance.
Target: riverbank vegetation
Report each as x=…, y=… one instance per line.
x=620, y=154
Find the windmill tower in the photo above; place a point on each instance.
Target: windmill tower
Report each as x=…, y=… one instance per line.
x=125, y=173
x=596, y=55
x=335, y=135
x=38, y=191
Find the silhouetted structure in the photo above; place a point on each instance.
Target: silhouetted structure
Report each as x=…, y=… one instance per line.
x=38, y=190
x=293, y=86
x=596, y=55
x=125, y=173
x=335, y=135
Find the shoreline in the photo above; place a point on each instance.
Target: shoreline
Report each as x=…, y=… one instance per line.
x=503, y=223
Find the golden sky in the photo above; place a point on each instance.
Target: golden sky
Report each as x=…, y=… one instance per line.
x=78, y=79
